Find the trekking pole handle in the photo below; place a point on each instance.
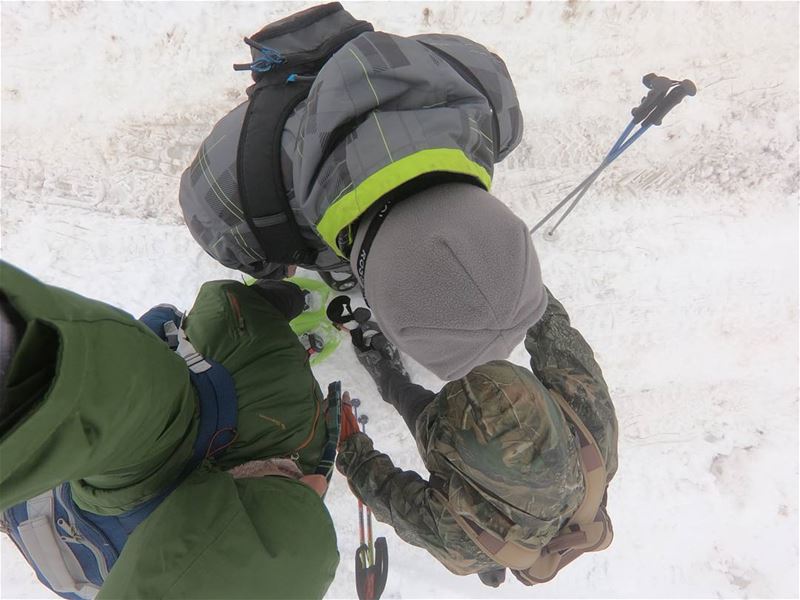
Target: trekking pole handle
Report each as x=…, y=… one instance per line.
x=658, y=86
x=684, y=88
x=657, y=82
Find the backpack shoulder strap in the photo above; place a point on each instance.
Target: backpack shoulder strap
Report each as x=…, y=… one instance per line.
x=287, y=55
x=592, y=465
x=589, y=529
x=261, y=187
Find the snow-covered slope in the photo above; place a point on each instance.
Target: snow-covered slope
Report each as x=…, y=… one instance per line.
x=680, y=266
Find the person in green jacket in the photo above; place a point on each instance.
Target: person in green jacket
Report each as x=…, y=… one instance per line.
x=93, y=397
x=508, y=466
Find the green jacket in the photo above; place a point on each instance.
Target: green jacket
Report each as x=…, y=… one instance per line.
x=93, y=397
x=502, y=447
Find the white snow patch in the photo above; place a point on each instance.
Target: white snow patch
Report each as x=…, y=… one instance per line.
x=680, y=266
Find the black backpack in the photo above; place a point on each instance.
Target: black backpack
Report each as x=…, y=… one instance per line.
x=287, y=55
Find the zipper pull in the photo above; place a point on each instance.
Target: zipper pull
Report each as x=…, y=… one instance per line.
x=72, y=533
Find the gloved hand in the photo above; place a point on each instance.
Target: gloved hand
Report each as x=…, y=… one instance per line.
x=376, y=353
x=493, y=577
x=349, y=425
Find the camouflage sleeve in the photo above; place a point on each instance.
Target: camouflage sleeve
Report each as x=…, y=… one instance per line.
x=406, y=501
x=398, y=498
x=407, y=397
x=563, y=361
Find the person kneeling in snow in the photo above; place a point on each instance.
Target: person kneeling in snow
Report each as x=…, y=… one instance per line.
x=519, y=461
x=205, y=462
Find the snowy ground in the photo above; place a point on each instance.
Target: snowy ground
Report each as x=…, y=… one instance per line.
x=680, y=267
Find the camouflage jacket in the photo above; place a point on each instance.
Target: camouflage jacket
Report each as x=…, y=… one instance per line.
x=518, y=476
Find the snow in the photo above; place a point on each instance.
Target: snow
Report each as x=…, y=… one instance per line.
x=680, y=266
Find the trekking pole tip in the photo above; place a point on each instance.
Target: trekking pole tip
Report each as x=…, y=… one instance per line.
x=551, y=235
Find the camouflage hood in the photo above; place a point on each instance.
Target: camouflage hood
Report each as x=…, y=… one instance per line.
x=505, y=452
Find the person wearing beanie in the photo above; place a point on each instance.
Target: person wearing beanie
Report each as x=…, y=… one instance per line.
x=294, y=174
x=436, y=276
x=124, y=475
x=519, y=460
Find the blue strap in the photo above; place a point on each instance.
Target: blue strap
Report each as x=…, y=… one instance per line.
x=216, y=430
x=216, y=394
x=268, y=58
x=158, y=315
x=218, y=411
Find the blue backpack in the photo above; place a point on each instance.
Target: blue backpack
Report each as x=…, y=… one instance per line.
x=71, y=550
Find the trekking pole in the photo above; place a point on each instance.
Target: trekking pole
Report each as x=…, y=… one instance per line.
x=372, y=559
x=363, y=420
x=664, y=95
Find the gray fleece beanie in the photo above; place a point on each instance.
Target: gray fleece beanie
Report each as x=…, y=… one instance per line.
x=452, y=278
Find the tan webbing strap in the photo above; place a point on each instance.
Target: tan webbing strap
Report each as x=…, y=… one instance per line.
x=592, y=466
x=505, y=553
x=556, y=555
x=589, y=529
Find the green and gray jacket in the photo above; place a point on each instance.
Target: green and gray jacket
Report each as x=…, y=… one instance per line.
x=383, y=111
x=502, y=447
x=93, y=397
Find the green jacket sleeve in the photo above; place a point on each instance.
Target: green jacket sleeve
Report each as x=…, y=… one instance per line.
x=564, y=362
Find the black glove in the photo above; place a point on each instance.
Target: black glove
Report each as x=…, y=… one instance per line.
x=376, y=353
x=373, y=350
x=493, y=578
x=287, y=297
